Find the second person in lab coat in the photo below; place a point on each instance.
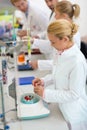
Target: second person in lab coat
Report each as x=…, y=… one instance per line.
x=33, y=17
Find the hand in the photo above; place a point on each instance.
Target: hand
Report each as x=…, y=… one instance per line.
x=22, y=33
x=37, y=37
x=36, y=50
x=39, y=90
x=36, y=82
x=34, y=64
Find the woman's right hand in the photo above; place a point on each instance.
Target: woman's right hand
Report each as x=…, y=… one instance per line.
x=22, y=33
x=36, y=82
x=34, y=64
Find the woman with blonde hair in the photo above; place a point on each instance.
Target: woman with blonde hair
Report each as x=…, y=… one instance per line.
x=68, y=80
x=65, y=10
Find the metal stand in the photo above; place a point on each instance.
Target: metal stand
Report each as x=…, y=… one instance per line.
x=3, y=107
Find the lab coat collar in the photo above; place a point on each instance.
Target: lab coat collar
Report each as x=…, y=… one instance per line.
x=51, y=14
x=68, y=51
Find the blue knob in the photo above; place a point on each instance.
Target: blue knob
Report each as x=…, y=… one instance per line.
x=7, y=127
x=1, y=115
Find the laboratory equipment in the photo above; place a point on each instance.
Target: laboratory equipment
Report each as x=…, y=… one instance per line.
x=31, y=106
x=21, y=58
x=27, y=110
x=25, y=67
x=4, y=64
x=26, y=80
x=3, y=83
x=2, y=108
x=29, y=44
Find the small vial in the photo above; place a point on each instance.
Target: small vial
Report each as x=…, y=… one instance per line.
x=21, y=58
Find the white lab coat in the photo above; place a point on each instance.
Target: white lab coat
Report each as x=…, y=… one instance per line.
x=37, y=20
x=43, y=35
x=46, y=48
x=43, y=41
x=67, y=85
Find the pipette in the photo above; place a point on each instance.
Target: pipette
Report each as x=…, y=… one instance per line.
x=29, y=45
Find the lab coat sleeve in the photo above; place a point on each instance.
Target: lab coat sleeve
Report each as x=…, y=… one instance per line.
x=43, y=35
x=48, y=80
x=43, y=45
x=42, y=20
x=45, y=64
x=76, y=87
x=37, y=19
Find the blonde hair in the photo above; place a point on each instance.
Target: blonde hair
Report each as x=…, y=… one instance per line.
x=72, y=10
x=61, y=28
x=14, y=1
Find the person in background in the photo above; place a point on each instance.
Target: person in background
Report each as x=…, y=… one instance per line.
x=67, y=84
x=66, y=10
x=50, y=4
x=5, y=30
x=2, y=31
x=33, y=17
x=42, y=43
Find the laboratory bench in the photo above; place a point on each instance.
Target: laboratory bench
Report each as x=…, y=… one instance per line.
x=54, y=120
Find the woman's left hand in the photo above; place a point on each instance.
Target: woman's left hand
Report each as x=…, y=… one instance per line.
x=39, y=90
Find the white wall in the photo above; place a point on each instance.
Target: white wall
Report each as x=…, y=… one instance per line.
x=83, y=16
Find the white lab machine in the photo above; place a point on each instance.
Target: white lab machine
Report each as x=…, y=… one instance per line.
x=30, y=106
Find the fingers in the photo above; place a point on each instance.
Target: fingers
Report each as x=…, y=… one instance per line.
x=38, y=86
x=22, y=33
x=36, y=89
x=34, y=64
x=39, y=90
x=36, y=81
